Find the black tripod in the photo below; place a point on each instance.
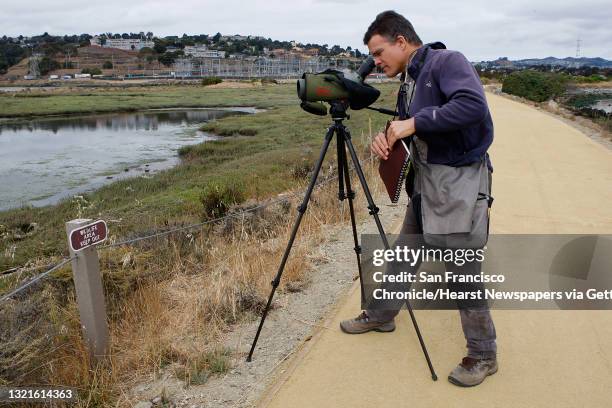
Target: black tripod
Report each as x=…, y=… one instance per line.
x=338, y=113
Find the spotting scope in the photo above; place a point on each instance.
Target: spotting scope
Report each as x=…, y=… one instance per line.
x=334, y=85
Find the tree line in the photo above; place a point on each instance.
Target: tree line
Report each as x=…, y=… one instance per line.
x=166, y=49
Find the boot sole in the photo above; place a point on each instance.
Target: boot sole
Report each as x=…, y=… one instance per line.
x=379, y=329
x=460, y=384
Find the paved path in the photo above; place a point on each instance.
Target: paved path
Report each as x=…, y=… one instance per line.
x=549, y=178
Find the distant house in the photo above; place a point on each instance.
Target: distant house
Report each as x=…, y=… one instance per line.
x=201, y=51
x=233, y=38
x=129, y=44
x=194, y=50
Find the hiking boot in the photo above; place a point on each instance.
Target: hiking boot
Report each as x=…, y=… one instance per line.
x=472, y=371
x=363, y=324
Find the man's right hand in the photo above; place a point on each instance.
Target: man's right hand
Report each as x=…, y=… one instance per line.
x=380, y=147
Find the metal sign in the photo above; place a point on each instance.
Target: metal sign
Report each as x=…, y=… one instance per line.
x=88, y=235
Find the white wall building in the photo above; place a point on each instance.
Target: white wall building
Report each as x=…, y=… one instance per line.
x=233, y=38
x=201, y=51
x=135, y=44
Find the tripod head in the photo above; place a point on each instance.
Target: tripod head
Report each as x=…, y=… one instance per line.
x=338, y=110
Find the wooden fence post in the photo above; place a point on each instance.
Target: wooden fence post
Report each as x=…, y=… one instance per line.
x=89, y=292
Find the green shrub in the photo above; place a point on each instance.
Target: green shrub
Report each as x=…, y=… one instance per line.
x=534, y=85
x=590, y=78
x=92, y=71
x=46, y=65
x=268, y=81
x=211, y=81
x=217, y=198
x=107, y=65
x=200, y=369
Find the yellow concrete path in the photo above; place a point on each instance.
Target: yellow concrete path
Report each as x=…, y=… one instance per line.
x=549, y=178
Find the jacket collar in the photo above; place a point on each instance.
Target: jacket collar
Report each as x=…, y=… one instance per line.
x=415, y=66
x=418, y=61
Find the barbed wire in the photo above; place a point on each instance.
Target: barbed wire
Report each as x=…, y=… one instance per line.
x=36, y=279
x=23, y=268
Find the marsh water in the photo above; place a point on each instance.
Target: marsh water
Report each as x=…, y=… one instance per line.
x=602, y=97
x=45, y=160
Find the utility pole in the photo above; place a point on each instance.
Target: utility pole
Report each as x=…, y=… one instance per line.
x=577, y=63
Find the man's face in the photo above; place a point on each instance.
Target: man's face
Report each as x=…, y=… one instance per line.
x=390, y=56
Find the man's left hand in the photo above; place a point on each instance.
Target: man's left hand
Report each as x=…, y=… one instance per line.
x=399, y=129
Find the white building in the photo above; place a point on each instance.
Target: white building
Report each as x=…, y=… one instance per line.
x=129, y=44
x=201, y=51
x=233, y=38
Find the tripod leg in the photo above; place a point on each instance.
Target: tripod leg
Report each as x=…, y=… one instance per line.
x=301, y=210
x=343, y=163
x=340, y=153
x=345, y=134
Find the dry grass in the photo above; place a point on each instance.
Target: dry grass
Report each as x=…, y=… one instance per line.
x=169, y=302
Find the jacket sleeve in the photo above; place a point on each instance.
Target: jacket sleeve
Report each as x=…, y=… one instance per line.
x=466, y=104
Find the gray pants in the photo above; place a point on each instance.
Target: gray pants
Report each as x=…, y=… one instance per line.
x=477, y=324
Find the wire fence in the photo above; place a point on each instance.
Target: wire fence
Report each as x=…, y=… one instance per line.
x=214, y=220
x=23, y=268
x=34, y=280
x=156, y=235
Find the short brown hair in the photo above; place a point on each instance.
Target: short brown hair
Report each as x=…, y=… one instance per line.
x=390, y=25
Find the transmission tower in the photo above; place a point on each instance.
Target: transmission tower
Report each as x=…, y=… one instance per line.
x=33, y=68
x=578, y=41
x=183, y=67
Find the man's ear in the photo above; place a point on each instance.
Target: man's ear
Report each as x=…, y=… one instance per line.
x=401, y=41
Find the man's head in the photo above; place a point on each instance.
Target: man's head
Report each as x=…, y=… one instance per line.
x=391, y=39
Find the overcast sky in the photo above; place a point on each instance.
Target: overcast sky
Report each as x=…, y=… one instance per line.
x=480, y=29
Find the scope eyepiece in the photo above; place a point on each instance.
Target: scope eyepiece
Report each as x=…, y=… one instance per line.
x=366, y=67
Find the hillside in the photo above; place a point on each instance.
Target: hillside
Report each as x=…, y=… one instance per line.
x=124, y=62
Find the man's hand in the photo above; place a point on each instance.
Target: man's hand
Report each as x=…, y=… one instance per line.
x=398, y=129
x=380, y=147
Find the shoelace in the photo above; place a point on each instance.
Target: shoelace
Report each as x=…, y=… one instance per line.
x=363, y=316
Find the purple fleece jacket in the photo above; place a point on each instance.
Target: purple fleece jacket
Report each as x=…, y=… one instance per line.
x=450, y=109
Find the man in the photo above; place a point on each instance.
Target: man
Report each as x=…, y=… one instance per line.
x=451, y=130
